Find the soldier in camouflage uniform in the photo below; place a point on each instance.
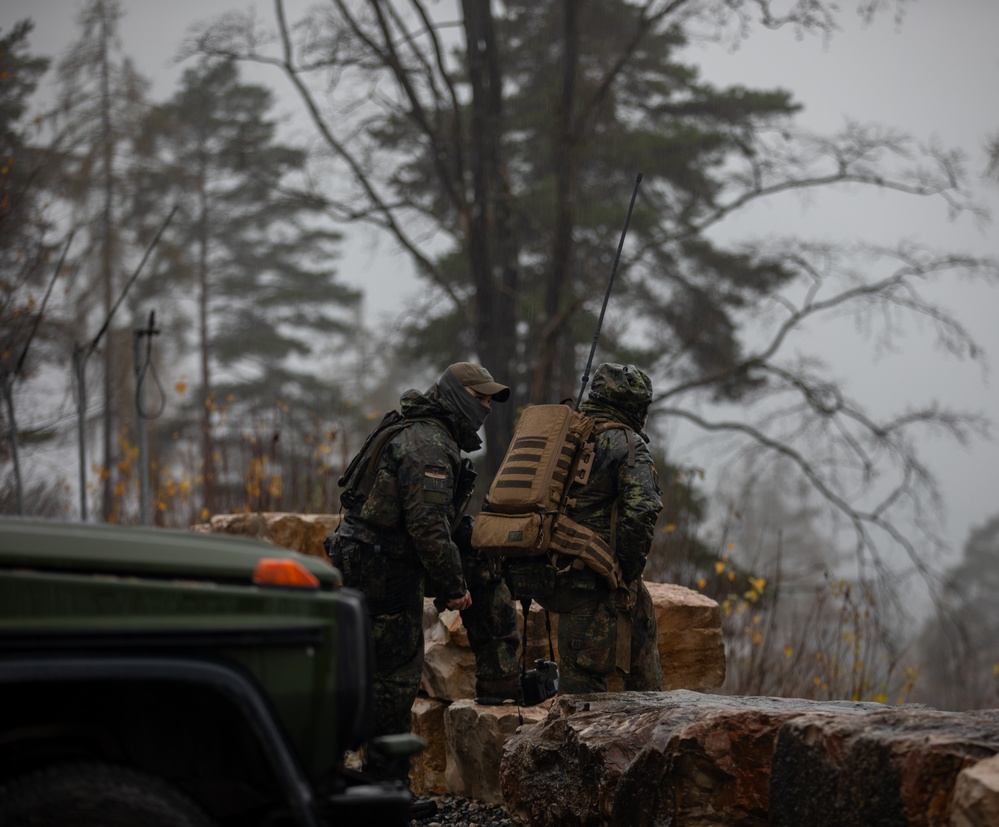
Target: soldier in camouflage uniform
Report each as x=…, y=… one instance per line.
x=620, y=502
x=398, y=544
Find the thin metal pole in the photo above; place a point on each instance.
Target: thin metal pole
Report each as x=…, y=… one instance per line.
x=80, y=357
x=79, y=369
x=610, y=284
x=144, y=513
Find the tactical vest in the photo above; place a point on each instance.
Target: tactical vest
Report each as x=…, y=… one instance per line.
x=524, y=514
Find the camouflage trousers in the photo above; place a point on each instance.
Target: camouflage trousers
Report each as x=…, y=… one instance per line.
x=587, y=637
x=391, y=579
x=393, y=584
x=491, y=621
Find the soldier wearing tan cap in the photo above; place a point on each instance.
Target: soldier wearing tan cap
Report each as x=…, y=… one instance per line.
x=396, y=543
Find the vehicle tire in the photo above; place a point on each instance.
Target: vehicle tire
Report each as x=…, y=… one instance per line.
x=95, y=795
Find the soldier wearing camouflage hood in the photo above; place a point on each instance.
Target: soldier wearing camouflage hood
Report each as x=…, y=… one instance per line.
x=620, y=502
x=396, y=544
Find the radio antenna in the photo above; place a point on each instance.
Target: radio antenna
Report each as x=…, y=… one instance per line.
x=610, y=284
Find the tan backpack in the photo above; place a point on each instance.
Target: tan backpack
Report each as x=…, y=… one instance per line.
x=524, y=514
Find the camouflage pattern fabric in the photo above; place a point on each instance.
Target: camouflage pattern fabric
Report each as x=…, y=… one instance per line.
x=646, y=673
x=411, y=504
x=491, y=621
x=397, y=546
x=393, y=589
x=587, y=638
x=629, y=494
x=635, y=490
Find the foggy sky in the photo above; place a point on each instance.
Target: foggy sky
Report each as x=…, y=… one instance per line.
x=935, y=75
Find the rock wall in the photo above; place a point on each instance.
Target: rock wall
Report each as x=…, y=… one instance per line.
x=688, y=759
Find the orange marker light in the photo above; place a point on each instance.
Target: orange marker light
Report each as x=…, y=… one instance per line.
x=276, y=572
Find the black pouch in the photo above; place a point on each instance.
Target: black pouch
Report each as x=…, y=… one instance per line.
x=329, y=545
x=540, y=683
x=530, y=578
x=353, y=559
x=335, y=546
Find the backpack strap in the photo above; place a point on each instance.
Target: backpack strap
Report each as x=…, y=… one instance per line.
x=623, y=603
x=358, y=477
x=609, y=425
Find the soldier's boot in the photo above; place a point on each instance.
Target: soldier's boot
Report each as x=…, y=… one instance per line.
x=498, y=692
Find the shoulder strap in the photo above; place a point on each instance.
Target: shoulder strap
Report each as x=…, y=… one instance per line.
x=609, y=425
x=359, y=475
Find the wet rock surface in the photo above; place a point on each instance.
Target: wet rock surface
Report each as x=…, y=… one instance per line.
x=686, y=758
x=894, y=766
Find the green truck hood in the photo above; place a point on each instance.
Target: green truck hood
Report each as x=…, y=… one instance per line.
x=142, y=552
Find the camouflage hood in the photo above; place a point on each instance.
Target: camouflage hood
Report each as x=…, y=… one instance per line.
x=621, y=392
x=434, y=404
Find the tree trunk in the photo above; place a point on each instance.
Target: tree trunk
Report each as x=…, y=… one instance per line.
x=107, y=261
x=208, y=488
x=550, y=375
x=491, y=247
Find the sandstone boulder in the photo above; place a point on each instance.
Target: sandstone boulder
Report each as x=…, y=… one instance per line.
x=299, y=532
x=690, y=644
x=448, y=662
x=976, y=795
x=685, y=758
x=427, y=770
x=476, y=736
x=895, y=765
x=691, y=647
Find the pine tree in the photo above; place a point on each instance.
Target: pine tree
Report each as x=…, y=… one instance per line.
x=101, y=98
x=513, y=140
x=250, y=247
x=21, y=222
x=25, y=274
x=959, y=648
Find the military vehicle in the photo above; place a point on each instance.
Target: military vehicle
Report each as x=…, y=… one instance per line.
x=165, y=677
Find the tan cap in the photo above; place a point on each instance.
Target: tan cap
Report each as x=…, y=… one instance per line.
x=479, y=379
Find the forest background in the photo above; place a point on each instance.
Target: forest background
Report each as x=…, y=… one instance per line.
x=243, y=250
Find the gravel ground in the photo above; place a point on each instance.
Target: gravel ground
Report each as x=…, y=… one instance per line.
x=461, y=812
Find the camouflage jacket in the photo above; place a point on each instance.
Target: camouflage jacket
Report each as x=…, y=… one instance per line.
x=634, y=488
x=412, y=502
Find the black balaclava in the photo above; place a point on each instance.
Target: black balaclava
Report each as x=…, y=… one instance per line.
x=462, y=401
